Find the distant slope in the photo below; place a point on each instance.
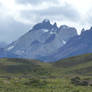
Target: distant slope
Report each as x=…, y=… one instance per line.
x=15, y=66
x=79, y=65
x=76, y=65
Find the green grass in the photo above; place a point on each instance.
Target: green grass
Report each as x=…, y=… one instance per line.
x=43, y=85
x=22, y=75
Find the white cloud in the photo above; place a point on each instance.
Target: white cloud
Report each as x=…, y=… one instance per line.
x=75, y=13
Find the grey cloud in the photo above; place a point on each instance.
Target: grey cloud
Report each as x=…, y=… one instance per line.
x=10, y=30
x=89, y=16
x=34, y=2
x=87, y=20
x=66, y=12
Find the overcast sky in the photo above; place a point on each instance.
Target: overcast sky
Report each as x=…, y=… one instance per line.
x=18, y=16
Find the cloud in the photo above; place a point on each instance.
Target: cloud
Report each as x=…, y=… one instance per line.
x=20, y=15
x=54, y=13
x=66, y=11
x=22, y=12
x=11, y=30
x=34, y=2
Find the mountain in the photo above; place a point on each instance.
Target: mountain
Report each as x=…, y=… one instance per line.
x=42, y=40
x=7, y=54
x=4, y=53
x=77, y=45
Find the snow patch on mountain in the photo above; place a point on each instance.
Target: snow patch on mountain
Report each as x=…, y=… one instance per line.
x=64, y=42
x=19, y=52
x=44, y=30
x=10, y=48
x=52, y=32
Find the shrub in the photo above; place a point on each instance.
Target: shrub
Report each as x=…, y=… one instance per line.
x=36, y=83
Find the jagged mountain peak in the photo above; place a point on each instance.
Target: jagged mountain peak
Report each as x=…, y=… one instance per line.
x=55, y=24
x=83, y=30
x=46, y=21
x=87, y=33
x=45, y=24
x=91, y=28
x=64, y=27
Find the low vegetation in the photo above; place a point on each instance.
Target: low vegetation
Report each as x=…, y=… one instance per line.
x=69, y=75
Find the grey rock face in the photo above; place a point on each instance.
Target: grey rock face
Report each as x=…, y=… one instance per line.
x=77, y=45
x=42, y=40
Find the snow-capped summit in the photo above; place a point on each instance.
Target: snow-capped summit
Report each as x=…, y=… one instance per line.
x=42, y=40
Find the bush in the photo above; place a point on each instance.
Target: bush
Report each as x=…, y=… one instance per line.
x=78, y=81
x=36, y=83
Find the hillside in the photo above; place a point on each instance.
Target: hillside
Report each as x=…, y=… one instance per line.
x=22, y=75
x=79, y=65
x=22, y=67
